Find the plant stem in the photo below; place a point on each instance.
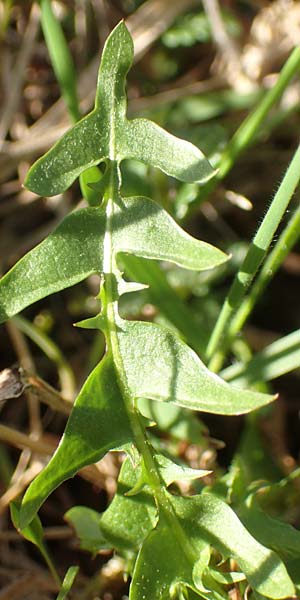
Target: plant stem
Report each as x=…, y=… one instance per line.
x=286, y=241
x=51, y=350
x=109, y=298
x=247, y=131
x=255, y=255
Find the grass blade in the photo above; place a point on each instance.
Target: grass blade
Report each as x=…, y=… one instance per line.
x=250, y=127
x=277, y=359
x=61, y=58
x=286, y=241
x=254, y=257
x=67, y=582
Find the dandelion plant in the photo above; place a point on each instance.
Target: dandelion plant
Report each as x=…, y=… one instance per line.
x=170, y=541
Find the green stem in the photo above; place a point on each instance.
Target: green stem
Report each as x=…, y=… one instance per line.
x=252, y=261
x=247, y=131
x=51, y=568
x=109, y=298
x=249, y=128
x=286, y=241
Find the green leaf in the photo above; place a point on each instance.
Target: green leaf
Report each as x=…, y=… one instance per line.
x=226, y=328
x=34, y=534
x=254, y=461
x=98, y=423
x=166, y=298
x=88, y=179
x=170, y=371
x=293, y=567
x=125, y=523
x=82, y=147
x=169, y=473
x=227, y=578
x=161, y=568
x=106, y=129
x=66, y=257
x=195, y=27
x=191, y=595
x=129, y=519
x=206, y=516
x=67, y=582
x=75, y=250
x=202, y=520
x=88, y=142
x=172, y=472
x=188, y=30
x=180, y=423
x=143, y=228
x=278, y=535
x=156, y=578
x=86, y=524
x=149, y=143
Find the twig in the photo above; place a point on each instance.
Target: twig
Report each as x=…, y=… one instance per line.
x=21, y=440
x=19, y=70
x=223, y=41
x=26, y=362
x=13, y=382
x=21, y=467
x=153, y=17
x=21, y=347
x=99, y=474
x=48, y=395
x=228, y=51
x=19, y=486
x=198, y=87
x=53, y=353
x=100, y=10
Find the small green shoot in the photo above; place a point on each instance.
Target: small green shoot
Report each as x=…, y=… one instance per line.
x=67, y=583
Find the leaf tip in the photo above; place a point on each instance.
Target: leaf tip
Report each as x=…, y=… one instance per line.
x=97, y=322
x=122, y=30
x=31, y=183
x=211, y=173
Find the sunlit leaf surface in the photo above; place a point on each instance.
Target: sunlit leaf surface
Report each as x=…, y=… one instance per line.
x=98, y=423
